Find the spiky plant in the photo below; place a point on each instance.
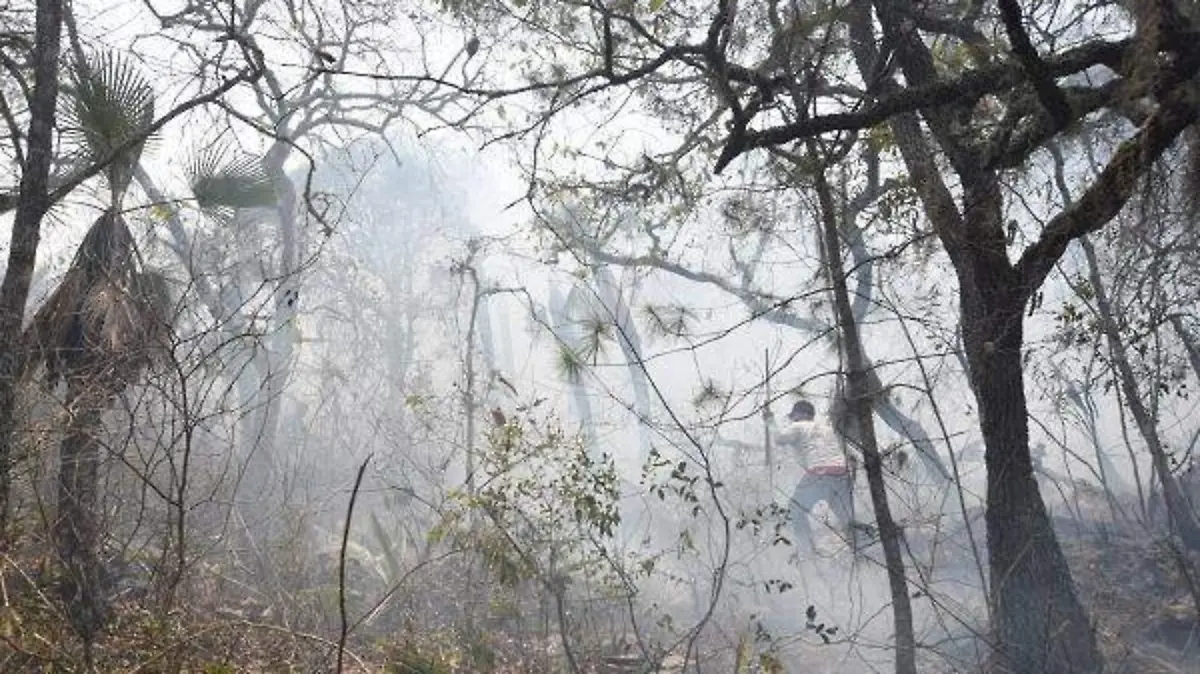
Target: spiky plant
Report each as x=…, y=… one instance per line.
x=109, y=109
x=224, y=183
x=99, y=328
x=109, y=316
x=569, y=363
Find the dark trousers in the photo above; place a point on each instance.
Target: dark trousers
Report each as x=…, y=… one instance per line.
x=836, y=491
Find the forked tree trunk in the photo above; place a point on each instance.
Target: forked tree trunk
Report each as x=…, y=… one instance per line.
x=281, y=345
x=1039, y=622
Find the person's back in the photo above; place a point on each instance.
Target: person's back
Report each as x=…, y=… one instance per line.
x=810, y=440
x=828, y=474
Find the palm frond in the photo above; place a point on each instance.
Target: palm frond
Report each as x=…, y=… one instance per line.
x=393, y=565
x=109, y=108
x=224, y=185
x=107, y=318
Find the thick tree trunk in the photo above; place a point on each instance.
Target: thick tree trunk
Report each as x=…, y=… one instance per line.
x=32, y=203
x=76, y=525
x=276, y=370
x=262, y=492
x=1039, y=622
x=1189, y=343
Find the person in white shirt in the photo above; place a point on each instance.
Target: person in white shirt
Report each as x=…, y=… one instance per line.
x=828, y=472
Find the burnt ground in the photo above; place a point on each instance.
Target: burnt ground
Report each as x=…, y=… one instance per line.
x=1133, y=584
x=1131, y=579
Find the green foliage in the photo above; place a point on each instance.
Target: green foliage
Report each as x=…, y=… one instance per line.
x=710, y=393
x=681, y=482
x=757, y=651
x=741, y=661
x=769, y=664
x=879, y=138
x=772, y=517
x=548, y=506
x=109, y=109
x=951, y=56
x=569, y=364
x=478, y=651
x=547, y=469
x=442, y=652
x=223, y=185
x=392, y=551
x=1075, y=326
x=597, y=332
x=826, y=632
x=671, y=320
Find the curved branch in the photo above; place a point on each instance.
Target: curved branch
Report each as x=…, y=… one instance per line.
x=1112, y=188
x=1051, y=97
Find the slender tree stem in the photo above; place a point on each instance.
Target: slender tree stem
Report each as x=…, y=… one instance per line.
x=344, y=632
x=859, y=397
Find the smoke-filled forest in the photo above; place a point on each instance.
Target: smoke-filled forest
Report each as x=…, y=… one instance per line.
x=599, y=336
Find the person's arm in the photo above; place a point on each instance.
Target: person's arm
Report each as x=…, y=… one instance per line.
x=738, y=444
x=797, y=441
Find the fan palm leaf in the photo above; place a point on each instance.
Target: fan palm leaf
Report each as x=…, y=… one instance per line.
x=109, y=108
x=224, y=185
x=97, y=330
x=101, y=318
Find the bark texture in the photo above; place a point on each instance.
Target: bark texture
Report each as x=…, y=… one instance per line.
x=1039, y=622
x=33, y=201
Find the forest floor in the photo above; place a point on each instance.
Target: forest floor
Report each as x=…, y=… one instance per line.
x=1130, y=580
x=1138, y=598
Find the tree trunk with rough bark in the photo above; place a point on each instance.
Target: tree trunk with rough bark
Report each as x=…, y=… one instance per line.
x=32, y=203
x=1039, y=622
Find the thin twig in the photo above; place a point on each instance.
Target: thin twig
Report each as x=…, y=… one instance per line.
x=345, y=623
